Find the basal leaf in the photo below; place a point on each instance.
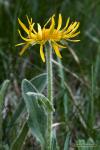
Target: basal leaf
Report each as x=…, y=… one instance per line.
x=39, y=83
x=18, y=142
x=37, y=113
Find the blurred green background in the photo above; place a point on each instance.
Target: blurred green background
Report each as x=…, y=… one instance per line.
x=76, y=83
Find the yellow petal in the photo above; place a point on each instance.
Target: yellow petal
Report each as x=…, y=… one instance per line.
x=23, y=26
x=59, y=45
x=29, y=22
x=76, y=27
x=59, y=22
x=48, y=21
x=75, y=34
x=19, y=44
x=42, y=53
x=71, y=35
x=25, y=39
x=23, y=49
x=73, y=40
x=34, y=31
x=52, y=25
x=31, y=26
x=71, y=27
x=56, y=50
x=67, y=23
x=39, y=29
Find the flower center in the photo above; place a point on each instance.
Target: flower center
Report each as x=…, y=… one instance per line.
x=46, y=35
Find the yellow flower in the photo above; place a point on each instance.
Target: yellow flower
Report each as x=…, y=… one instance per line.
x=51, y=33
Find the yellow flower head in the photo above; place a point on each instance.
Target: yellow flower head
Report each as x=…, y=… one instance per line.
x=51, y=33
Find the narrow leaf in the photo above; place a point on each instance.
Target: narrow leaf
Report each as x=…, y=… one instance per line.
x=54, y=141
x=66, y=145
x=2, y=95
x=18, y=142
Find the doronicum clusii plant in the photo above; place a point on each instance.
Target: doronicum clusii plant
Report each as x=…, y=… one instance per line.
x=39, y=107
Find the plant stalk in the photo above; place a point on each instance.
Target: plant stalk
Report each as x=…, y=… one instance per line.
x=49, y=93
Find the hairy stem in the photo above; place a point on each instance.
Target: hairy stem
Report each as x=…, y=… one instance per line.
x=49, y=93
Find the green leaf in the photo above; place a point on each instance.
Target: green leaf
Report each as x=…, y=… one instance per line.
x=66, y=145
x=83, y=145
x=37, y=113
x=17, y=113
x=39, y=83
x=54, y=141
x=42, y=100
x=3, y=91
x=2, y=95
x=4, y=147
x=90, y=143
x=64, y=93
x=18, y=142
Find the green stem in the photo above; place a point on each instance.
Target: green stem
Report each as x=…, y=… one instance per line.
x=49, y=93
